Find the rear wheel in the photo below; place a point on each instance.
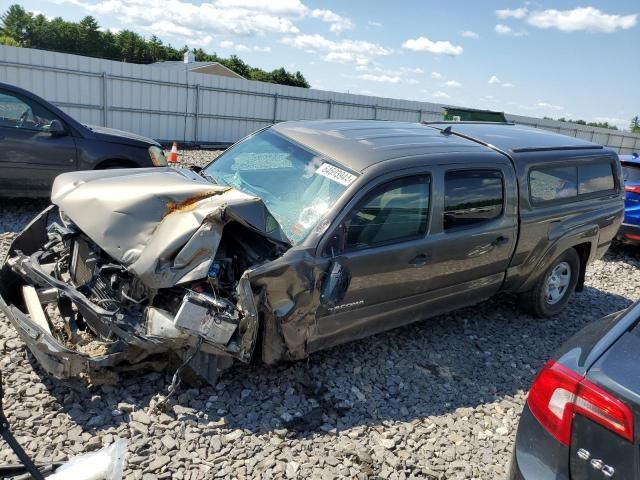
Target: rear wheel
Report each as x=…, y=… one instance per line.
x=553, y=290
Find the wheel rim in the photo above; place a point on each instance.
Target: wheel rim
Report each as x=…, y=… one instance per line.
x=557, y=283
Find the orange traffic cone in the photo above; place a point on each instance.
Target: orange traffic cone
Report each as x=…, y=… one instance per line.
x=173, y=154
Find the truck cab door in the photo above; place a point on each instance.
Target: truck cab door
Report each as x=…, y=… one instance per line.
x=36, y=146
x=477, y=231
x=376, y=262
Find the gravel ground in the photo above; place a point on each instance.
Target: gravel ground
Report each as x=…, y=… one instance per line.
x=437, y=399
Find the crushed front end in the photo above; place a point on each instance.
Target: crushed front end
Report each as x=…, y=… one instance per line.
x=83, y=309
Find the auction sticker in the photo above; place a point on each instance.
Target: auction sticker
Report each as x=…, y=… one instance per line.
x=336, y=174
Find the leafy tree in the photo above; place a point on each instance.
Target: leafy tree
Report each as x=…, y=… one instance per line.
x=21, y=28
x=635, y=124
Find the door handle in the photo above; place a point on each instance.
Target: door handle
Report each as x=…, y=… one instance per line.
x=501, y=240
x=420, y=260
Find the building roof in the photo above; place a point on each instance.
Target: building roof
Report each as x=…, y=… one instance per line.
x=210, y=68
x=358, y=144
x=513, y=138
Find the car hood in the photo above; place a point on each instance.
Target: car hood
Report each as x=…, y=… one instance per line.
x=120, y=136
x=163, y=224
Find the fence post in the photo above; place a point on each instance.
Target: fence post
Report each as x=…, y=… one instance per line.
x=105, y=106
x=196, y=112
x=420, y=116
x=275, y=108
x=330, y=105
x=375, y=112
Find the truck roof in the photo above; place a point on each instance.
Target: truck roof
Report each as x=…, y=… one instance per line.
x=358, y=144
x=513, y=138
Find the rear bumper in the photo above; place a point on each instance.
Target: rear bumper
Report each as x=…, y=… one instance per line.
x=629, y=233
x=537, y=455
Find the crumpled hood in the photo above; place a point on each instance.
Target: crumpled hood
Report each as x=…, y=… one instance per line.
x=163, y=224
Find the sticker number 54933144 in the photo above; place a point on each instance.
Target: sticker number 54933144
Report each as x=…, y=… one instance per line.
x=336, y=174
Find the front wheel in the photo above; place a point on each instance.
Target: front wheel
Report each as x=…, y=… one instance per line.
x=553, y=290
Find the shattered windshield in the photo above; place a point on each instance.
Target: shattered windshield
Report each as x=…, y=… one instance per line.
x=297, y=186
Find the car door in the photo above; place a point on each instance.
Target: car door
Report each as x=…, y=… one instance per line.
x=475, y=236
x=383, y=244
x=31, y=156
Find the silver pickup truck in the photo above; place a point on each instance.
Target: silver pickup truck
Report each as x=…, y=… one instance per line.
x=302, y=236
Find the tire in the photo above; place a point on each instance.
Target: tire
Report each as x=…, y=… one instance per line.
x=554, y=288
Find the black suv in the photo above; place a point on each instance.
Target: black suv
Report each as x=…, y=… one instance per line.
x=39, y=141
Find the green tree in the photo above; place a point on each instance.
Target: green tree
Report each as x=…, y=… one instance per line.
x=635, y=124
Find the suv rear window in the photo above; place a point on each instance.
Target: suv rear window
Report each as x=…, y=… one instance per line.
x=557, y=183
x=472, y=197
x=630, y=172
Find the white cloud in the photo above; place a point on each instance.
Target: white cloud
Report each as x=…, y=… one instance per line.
x=423, y=44
x=374, y=24
x=359, y=51
x=507, y=30
x=273, y=6
x=493, y=80
x=411, y=81
x=416, y=70
x=548, y=106
x=582, y=18
x=195, y=23
x=512, y=13
x=436, y=75
x=240, y=47
x=338, y=23
x=377, y=78
x=451, y=84
x=439, y=94
x=469, y=34
x=621, y=123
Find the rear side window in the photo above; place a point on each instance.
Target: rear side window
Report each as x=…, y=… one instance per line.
x=595, y=178
x=553, y=183
x=394, y=212
x=472, y=197
x=559, y=183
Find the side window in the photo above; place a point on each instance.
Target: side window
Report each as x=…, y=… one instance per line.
x=393, y=212
x=553, y=183
x=16, y=112
x=472, y=197
x=596, y=177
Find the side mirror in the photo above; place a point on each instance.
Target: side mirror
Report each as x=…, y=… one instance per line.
x=335, y=284
x=56, y=128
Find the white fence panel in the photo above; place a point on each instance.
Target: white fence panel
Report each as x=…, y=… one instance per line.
x=192, y=107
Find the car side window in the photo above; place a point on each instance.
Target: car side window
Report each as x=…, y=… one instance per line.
x=548, y=184
x=16, y=112
x=393, y=212
x=472, y=197
x=553, y=183
x=597, y=177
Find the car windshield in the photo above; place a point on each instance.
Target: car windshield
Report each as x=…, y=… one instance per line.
x=297, y=186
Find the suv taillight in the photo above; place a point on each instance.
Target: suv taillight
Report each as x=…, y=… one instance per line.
x=632, y=189
x=558, y=393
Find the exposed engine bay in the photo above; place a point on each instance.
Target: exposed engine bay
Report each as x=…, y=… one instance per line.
x=95, y=295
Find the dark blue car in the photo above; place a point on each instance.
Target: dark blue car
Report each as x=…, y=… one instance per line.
x=630, y=229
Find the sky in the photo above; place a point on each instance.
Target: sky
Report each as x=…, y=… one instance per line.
x=573, y=59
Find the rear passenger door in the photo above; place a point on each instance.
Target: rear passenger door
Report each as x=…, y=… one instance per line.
x=476, y=235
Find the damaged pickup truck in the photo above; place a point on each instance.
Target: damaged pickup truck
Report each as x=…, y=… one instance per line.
x=302, y=236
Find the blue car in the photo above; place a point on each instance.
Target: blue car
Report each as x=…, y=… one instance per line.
x=630, y=229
